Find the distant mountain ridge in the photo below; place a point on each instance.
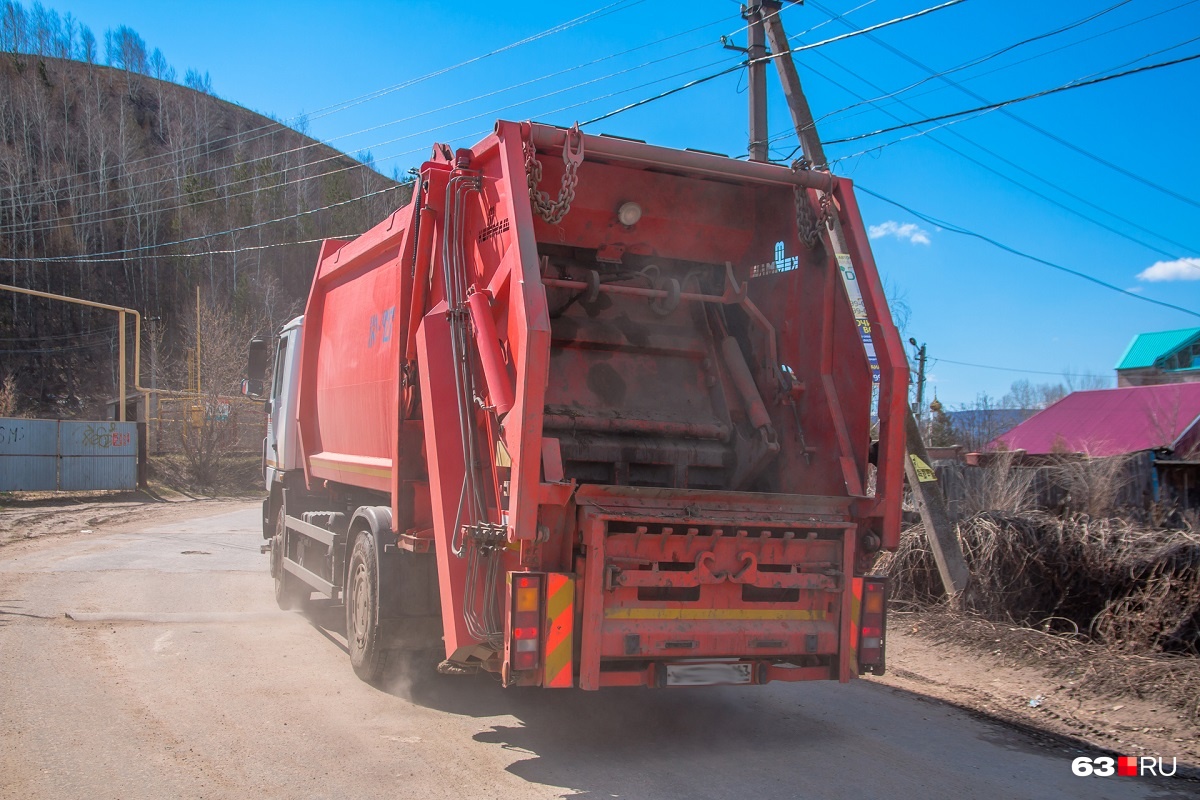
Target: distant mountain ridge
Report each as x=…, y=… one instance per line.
x=124, y=189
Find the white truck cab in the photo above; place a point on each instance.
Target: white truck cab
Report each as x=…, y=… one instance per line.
x=281, y=448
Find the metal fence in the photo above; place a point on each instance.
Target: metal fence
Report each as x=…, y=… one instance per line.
x=238, y=423
x=67, y=455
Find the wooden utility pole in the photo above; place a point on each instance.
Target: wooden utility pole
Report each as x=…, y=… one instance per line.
x=947, y=551
x=920, y=377
x=931, y=504
x=756, y=49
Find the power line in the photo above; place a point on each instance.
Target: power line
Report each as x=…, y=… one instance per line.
x=1116, y=231
x=739, y=66
x=857, y=32
x=1011, y=115
x=1024, y=170
x=953, y=228
x=102, y=257
x=55, y=337
x=667, y=93
x=202, y=236
x=95, y=258
x=1122, y=28
x=134, y=206
x=1012, y=369
x=1041, y=179
x=343, y=105
x=977, y=61
x=1003, y=103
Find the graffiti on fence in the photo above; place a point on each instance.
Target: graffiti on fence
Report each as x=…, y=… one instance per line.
x=104, y=436
x=11, y=434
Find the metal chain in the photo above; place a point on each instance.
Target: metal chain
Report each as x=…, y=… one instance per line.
x=808, y=225
x=806, y=222
x=553, y=211
x=827, y=207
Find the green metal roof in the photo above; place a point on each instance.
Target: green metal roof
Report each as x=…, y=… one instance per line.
x=1147, y=348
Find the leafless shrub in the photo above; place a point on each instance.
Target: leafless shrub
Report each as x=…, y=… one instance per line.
x=1094, y=486
x=212, y=431
x=1004, y=487
x=9, y=398
x=1117, y=584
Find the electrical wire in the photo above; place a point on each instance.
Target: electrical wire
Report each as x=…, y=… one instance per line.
x=1040, y=179
x=857, y=32
x=375, y=94
x=95, y=333
x=1116, y=231
x=99, y=257
x=976, y=61
x=953, y=228
x=1021, y=120
x=1010, y=369
x=134, y=210
x=1003, y=103
x=764, y=59
x=1122, y=28
x=201, y=237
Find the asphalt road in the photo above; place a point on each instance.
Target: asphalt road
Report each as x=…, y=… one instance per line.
x=178, y=677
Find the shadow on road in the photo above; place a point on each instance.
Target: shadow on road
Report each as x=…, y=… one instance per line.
x=693, y=743
x=782, y=740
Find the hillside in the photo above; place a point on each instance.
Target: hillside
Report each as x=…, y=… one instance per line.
x=124, y=189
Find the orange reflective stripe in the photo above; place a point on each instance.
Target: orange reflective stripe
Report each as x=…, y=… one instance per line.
x=856, y=587
x=560, y=631
x=713, y=613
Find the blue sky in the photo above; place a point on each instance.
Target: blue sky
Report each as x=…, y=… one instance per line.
x=968, y=300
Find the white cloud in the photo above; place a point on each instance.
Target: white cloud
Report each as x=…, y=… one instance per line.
x=1183, y=269
x=908, y=232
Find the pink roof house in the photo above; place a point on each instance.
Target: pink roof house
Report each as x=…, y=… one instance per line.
x=1109, y=422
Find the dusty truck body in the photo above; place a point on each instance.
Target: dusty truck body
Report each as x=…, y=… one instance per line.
x=615, y=433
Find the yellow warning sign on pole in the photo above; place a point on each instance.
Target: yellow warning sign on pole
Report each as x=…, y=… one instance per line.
x=925, y=473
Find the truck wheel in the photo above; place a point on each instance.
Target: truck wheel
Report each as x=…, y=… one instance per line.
x=363, y=635
x=290, y=592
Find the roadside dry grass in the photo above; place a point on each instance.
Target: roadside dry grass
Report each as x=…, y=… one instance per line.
x=1109, y=607
x=240, y=475
x=1104, y=581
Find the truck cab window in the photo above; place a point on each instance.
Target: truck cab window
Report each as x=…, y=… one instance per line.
x=280, y=359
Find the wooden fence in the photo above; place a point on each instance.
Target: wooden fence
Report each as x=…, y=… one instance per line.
x=1068, y=484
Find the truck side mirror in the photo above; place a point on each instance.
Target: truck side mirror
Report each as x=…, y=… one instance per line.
x=256, y=368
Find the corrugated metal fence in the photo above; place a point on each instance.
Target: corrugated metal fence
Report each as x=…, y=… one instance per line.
x=67, y=455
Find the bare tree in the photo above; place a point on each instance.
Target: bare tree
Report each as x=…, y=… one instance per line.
x=211, y=431
x=86, y=51
x=10, y=397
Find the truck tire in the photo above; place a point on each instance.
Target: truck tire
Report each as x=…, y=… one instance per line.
x=290, y=592
x=364, y=634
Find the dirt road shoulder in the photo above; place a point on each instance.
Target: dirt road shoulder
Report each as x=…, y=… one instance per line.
x=1001, y=684
x=31, y=515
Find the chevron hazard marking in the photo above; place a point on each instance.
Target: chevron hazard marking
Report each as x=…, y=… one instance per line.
x=560, y=631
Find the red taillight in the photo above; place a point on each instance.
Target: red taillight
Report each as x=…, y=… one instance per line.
x=525, y=621
x=871, y=626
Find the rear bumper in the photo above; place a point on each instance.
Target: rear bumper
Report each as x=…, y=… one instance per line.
x=671, y=577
